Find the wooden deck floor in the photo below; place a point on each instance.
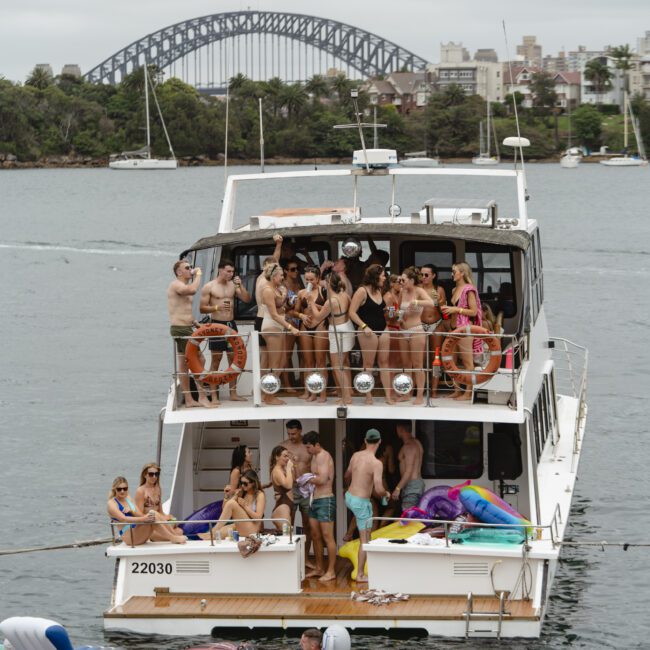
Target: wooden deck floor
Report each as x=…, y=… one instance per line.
x=327, y=601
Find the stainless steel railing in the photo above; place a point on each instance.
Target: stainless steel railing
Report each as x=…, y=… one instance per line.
x=210, y=522
x=512, y=346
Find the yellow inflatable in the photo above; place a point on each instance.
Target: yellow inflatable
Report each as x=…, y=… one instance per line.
x=350, y=550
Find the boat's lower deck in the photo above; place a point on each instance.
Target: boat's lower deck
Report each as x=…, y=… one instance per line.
x=318, y=605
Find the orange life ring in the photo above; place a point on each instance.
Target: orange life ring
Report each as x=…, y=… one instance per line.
x=449, y=351
x=193, y=354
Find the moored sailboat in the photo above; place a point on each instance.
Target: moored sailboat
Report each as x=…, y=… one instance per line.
x=626, y=160
x=485, y=156
x=141, y=158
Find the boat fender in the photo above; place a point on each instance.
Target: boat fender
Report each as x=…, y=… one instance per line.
x=450, y=353
x=336, y=637
x=193, y=355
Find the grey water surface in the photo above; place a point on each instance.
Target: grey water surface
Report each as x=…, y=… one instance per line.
x=85, y=368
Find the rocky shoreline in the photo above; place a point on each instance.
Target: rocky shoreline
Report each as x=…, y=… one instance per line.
x=9, y=161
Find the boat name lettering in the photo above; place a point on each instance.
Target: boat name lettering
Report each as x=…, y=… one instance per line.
x=151, y=567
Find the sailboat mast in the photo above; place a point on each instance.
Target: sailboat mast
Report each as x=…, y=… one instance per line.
x=489, y=133
x=625, y=109
x=146, y=105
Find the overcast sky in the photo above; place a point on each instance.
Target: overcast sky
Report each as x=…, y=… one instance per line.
x=88, y=31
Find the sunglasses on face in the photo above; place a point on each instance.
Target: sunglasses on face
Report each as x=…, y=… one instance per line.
x=292, y=268
x=153, y=473
x=425, y=275
x=244, y=483
x=122, y=489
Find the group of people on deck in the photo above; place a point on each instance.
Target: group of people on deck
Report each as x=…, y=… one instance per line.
x=302, y=478
x=324, y=310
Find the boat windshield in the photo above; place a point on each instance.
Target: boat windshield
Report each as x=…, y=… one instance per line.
x=374, y=194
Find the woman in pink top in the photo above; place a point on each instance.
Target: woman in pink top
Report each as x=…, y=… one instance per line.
x=465, y=309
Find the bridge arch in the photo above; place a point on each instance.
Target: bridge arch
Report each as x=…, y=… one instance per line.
x=367, y=53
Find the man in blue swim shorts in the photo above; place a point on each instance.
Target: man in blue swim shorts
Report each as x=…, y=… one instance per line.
x=363, y=474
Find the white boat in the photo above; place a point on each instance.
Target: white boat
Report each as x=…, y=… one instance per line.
x=520, y=436
x=485, y=157
x=626, y=160
x=571, y=158
x=419, y=159
x=141, y=158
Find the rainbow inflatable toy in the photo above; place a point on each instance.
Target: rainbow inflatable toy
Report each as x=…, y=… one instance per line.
x=487, y=506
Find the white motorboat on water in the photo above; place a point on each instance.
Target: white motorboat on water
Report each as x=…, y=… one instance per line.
x=486, y=136
x=571, y=158
x=626, y=160
x=141, y=158
x=518, y=440
x=419, y=159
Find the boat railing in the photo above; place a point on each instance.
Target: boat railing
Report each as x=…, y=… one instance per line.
x=570, y=363
x=210, y=522
x=502, y=357
x=531, y=532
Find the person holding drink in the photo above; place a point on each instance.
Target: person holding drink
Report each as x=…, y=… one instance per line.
x=218, y=300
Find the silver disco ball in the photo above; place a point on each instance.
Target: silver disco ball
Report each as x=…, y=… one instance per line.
x=315, y=383
x=351, y=248
x=270, y=384
x=364, y=382
x=402, y=384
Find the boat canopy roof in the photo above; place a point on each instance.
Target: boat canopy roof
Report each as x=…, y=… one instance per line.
x=517, y=238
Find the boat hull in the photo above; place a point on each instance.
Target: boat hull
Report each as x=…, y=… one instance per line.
x=624, y=162
x=484, y=161
x=569, y=161
x=145, y=163
x=419, y=162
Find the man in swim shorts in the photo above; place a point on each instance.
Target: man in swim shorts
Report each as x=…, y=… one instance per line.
x=179, y=305
x=302, y=465
x=218, y=300
x=411, y=486
x=363, y=474
x=322, y=513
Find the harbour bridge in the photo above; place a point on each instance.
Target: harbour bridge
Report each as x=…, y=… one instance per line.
x=207, y=51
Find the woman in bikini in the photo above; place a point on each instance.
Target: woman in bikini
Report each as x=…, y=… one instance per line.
x=247, y=503
x=367, y=313
x=121, y=509
x=413, y=337
x=432, y=318
x=274, y=322
x=313, y=334
x=282, y=479
x=341, y=333
x=148, y=496
x=393, y=298
x=240, y=463
x=465, y=309
x=293, y=284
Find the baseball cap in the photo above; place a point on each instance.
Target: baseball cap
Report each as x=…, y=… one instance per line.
x=372, y=435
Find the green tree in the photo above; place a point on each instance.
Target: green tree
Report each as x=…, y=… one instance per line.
x=622, y=55
x=597, y=72
x=318, y=87
x=293, y=98
x=39, y=78
x=587, y=125
x=542, y=87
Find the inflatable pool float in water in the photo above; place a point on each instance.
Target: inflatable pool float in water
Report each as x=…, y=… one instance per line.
x=32, y=633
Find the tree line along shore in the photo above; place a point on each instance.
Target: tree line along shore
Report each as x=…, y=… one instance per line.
x=65, y=121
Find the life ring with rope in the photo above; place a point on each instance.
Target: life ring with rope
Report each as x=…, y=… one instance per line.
x=193, y=355
x=450, y=352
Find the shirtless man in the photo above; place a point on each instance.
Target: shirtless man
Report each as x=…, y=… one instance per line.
x=432, y=317
x=411, y=486
x=364, y=474
x=179, y=305
x=323, y=508
x=218, y=300
x=302, y=465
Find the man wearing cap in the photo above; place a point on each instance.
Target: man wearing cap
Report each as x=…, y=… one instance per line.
x=363, y=474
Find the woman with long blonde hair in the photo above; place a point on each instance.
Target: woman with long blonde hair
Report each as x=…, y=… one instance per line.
x=465, y=309
x=148, y=496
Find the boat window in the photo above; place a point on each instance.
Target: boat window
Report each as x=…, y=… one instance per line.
x=539, y=445
x=492, y=267
x=206, y=260
x=377, y=251
x=452, y=450
x=549, y=382
x=439, y=253
x=249, y=260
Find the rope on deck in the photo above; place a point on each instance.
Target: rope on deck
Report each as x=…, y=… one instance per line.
x=57, y=547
